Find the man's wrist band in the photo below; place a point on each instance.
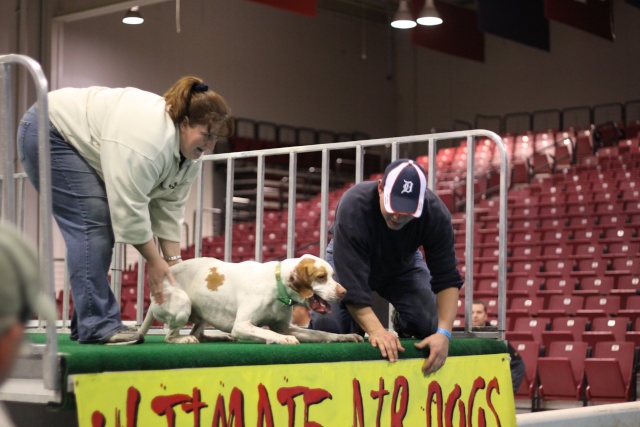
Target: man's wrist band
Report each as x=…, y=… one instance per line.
x=444, y=332
x=173, y=258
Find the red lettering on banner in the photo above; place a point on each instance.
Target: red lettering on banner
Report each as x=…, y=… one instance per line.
x=379, y=394
x=311, y=396
x=133, y=404
x=264, y=407
x=434, y=390
x=236, y=410
x=401, y=388
x=163, y=405
x=450, y=407
x=195, y=406
x=478, y=384
x=358, y=407
x=98, y=419
x=493, y=385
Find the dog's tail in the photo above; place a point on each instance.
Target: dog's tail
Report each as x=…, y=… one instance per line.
x=146, y=323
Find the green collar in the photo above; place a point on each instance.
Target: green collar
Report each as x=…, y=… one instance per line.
x=283, y=296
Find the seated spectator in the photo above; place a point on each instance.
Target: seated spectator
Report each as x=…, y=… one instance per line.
x=479, y=318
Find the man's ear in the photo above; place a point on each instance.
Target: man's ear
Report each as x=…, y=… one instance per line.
x=380, y=189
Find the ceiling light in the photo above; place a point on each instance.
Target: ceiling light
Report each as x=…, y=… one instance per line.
x=429, y=15
x=133, y=16
x=403, y=18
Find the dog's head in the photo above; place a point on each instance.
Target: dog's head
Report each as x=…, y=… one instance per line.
x=312, y=278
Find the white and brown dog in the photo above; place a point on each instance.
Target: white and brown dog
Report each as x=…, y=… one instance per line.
x=240, y=299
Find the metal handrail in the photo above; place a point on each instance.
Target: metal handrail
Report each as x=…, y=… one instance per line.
x=50, y=357
x=395, y=144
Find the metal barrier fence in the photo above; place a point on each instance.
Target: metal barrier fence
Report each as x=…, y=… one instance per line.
x=45, y=245
x=260, y=156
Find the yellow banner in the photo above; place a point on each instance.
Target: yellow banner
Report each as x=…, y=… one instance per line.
x=467, y=391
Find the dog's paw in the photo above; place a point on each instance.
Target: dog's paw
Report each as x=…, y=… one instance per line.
x=350, y=338
x=186, y=339
x=284, y=339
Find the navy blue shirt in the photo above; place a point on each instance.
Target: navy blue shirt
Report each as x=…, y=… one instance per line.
x=364, y=247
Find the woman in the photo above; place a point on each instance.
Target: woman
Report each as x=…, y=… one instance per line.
x=122, y=164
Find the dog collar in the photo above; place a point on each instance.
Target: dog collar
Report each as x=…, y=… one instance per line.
x=283, y=296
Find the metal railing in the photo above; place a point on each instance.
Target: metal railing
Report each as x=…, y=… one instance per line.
x=259, y=157
x=51, y=378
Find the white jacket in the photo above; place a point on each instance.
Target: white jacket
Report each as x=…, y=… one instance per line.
x=128, y=137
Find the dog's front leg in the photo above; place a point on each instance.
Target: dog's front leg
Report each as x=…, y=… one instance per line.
x=244, y=329
x=310, y=335
x=198, y=332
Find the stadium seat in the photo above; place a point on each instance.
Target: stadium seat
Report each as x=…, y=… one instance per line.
x=528, y=329
x=594, y=285
x=562, y=305
x=599, y=306
x=561, y=326
x=529, y=351
x=631, y=308
x=606, y=329
x=524, y=307
x=610, y=372
x=561, y=374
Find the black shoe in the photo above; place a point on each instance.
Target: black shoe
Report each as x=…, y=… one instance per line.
x=398, y=326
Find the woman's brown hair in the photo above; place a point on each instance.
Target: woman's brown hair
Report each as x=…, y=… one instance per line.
x=190, y=97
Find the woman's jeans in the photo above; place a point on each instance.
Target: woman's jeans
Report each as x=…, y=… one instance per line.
x=81, y=210
x=410, y=294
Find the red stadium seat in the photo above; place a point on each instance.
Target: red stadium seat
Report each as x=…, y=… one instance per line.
x=594, y=286
x=606, y=329
x=528, y=329
x=562, y=305
x=561, y=374
x=599, y=306
x=564, y=329
x=529, y=351
x=610, y=372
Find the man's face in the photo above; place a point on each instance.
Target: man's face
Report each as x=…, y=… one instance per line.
x=478, y=315
x=394, y=221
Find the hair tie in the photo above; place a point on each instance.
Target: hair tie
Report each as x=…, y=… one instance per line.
x=197, y=87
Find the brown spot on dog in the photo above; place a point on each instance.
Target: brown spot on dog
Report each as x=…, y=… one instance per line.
x=304, y=274
x=214, y=279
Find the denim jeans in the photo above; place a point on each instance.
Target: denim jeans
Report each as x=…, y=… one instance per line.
x=81, y=209
x=410, y=294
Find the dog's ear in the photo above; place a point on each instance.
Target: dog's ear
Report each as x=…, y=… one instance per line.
x=302, y=277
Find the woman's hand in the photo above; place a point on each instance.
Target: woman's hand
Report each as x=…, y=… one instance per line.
x=157, y=271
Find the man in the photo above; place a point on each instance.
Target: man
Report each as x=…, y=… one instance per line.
x=21, y=296
x=479, y=318
x=378, y=230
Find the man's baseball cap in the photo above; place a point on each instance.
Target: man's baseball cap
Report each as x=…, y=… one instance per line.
x=21, y=287
x=405, y=185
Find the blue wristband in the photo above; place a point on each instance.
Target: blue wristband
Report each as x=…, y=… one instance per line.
x=444, y=332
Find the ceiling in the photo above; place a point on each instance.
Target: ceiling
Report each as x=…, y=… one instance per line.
x=378, y=11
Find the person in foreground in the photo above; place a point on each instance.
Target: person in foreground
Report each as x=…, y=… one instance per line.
x=122, y=164
x=517, y=366
x=22, y=297
x=378, y=230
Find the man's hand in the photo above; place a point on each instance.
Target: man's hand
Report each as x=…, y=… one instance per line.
x=438, y=350
x=387, y=342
